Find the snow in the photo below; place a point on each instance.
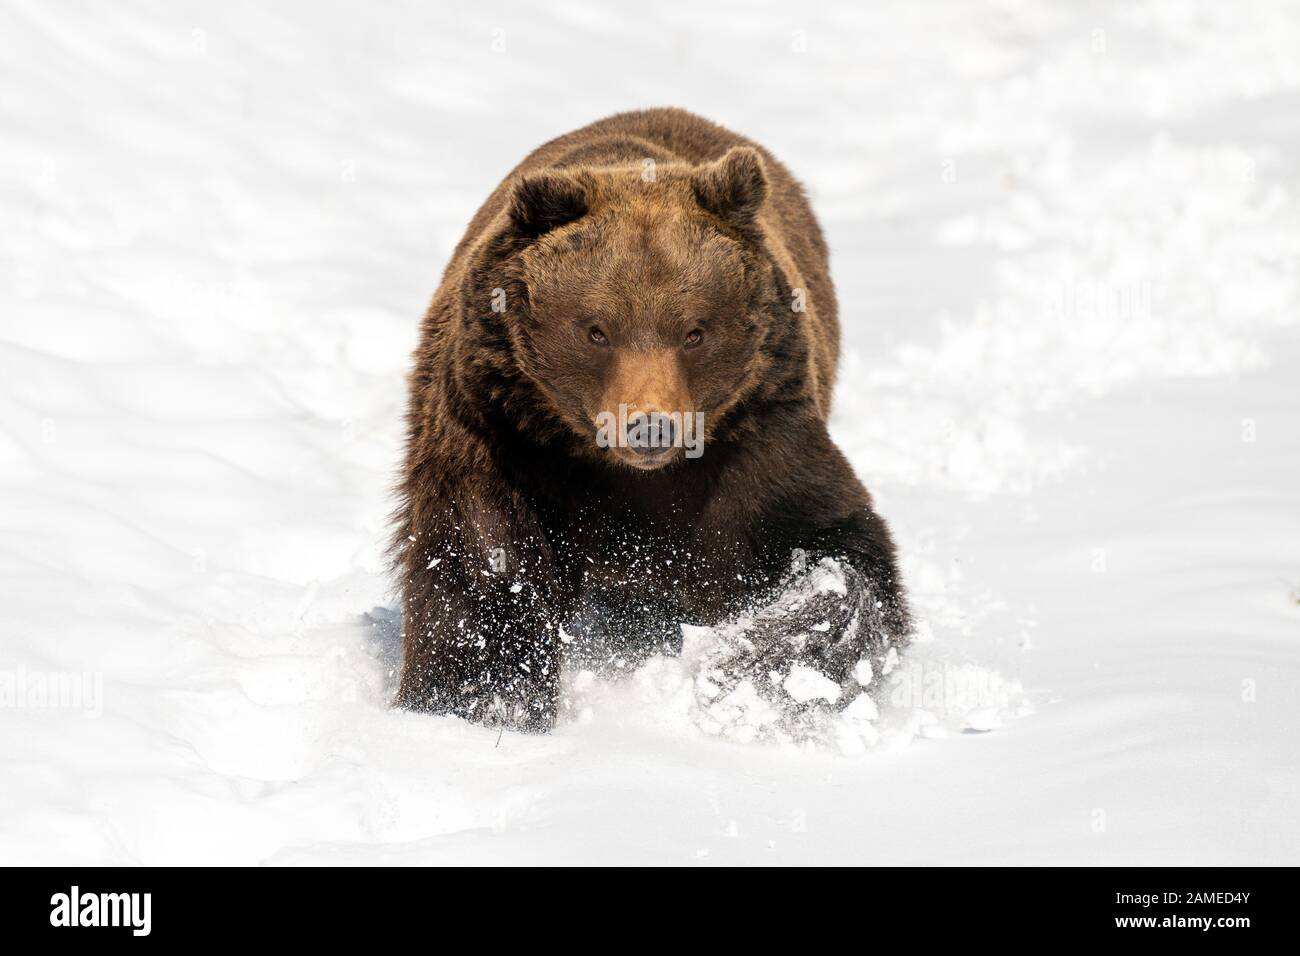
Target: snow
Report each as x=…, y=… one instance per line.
x=805, y=683
x=1065, y=239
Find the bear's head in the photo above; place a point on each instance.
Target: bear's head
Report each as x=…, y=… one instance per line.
x=638, y=300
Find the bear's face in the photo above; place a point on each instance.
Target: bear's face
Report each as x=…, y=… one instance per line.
x=648, y=302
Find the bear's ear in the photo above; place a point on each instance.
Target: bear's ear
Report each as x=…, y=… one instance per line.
x=733, y=187
x=545, y=200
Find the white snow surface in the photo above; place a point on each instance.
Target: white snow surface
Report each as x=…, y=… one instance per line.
x=1065, y=238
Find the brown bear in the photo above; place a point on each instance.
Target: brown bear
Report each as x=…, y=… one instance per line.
x=619, y=400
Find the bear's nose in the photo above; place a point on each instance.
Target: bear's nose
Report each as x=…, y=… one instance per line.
x=650, y=433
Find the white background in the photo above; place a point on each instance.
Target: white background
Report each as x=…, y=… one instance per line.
x=1065, y=239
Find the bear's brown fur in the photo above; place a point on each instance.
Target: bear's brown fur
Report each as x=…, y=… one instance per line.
x=655, y=261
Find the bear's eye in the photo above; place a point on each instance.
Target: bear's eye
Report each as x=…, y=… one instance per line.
x=597, y=336
x=694, y=338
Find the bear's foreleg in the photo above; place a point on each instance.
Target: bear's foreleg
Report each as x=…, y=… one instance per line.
x=481, y=622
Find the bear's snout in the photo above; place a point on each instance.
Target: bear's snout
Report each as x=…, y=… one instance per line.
x=646, y=400
x=651, y=434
